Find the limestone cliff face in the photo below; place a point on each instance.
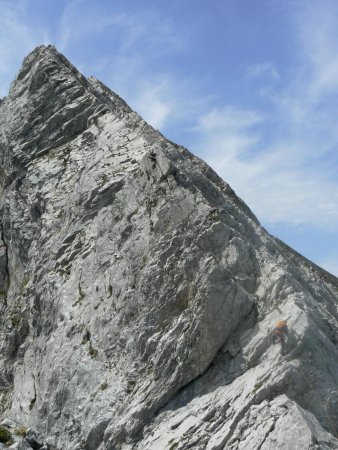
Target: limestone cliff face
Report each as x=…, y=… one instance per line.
x=137, y=290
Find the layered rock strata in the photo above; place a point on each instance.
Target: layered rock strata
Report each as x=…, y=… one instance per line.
x=137, y=290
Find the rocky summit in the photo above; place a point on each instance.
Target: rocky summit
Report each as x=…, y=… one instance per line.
x=138, y=291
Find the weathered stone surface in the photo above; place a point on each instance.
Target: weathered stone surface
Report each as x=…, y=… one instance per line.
x=140, y=290
x=21, y=445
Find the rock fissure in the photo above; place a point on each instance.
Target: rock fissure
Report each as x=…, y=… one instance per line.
x=4, y=268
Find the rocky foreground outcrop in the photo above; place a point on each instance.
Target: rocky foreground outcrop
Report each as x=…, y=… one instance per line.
x=137, y=290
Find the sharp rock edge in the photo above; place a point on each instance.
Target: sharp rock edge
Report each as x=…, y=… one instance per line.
x=137, y=289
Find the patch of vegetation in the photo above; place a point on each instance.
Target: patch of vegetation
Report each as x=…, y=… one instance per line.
x=64, y=154
x=144, y=260
x=15, y=314
x=103, y=179
x=5, y=400
x=64, y=272
x=4, y=290
x=81, y=296
x=61, y=213
x=103, y=386
x=183, y=302
x=24, y=284
x=258, y=385
x=92, y=351
x=184, y=297
x=15, y=320
x=5, y=436
x=173, y=446
x=20, y=431
x=58, y=152
x=130, y=386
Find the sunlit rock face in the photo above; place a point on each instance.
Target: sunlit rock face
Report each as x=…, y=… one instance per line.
x=138, y=291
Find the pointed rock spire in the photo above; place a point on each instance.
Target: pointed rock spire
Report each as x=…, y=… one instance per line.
x=49, y=103
x=139, y=291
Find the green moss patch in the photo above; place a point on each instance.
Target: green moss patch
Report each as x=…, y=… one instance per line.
x=5, y=436
x=24, y=284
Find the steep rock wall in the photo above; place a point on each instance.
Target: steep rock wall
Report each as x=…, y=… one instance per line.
x=138, y=289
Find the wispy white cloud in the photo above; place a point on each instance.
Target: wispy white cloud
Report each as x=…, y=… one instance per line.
x=285, y=179
x=318, y=36
x=133, y=29
x=166, y=101
x=275, y=181
x=17, y=38
x=89, y=21
x=229, y=118
x=265, y=70
x=153, y=103
x=133, y=66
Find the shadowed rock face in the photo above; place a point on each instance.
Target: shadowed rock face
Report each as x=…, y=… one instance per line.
x=137, y=290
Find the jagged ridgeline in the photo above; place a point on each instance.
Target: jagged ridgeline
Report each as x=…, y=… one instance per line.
x=137, y=290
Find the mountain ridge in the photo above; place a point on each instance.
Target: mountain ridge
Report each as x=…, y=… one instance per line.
x=138, y=289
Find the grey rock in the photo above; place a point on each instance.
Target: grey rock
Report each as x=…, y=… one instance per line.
x=21, y=445
x=8, y=423
x=33, y=440
x=140, y=290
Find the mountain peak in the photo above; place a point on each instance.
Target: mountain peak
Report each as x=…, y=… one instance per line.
x=57, y=101
x=43, y=51
x=39, y=67
x=138, y=292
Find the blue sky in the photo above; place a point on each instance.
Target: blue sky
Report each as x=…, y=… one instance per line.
x=249, y=86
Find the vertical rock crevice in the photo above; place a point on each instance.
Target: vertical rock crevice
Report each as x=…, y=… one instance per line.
x=4, y=267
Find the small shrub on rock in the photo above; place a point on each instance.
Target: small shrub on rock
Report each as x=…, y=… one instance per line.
x=20, y=431
x=5, y=435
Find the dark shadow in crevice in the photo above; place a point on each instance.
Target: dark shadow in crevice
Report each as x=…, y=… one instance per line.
x=223, y=370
